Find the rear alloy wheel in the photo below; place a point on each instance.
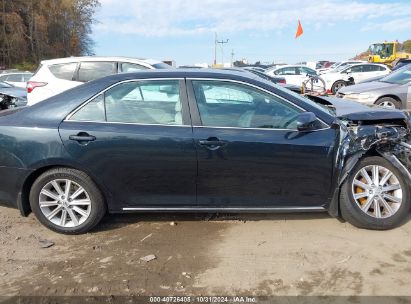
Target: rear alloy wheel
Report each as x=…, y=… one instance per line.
x=389, y=103
x=338, y=85
x=67, y=201
x=375, y=196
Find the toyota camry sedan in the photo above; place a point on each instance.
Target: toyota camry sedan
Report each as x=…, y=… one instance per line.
x=202, y=140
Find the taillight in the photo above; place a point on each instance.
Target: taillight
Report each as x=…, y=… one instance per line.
x=31, y=85
x=282, y=80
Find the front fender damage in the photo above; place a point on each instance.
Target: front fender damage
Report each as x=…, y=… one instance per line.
x=388, y=139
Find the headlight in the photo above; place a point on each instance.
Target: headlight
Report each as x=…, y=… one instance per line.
x=360, y=97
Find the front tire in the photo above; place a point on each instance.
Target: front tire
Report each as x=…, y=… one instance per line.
x=338, y=85
x=375, y=195
x=67, y=201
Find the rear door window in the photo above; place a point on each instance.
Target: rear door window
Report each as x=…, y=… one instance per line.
x=94, y=70
x=357, y=69
x=307, y=71
x=142, y=102
x=63, y=71
x=287, y=71
x=370, y=68
x=145, y=102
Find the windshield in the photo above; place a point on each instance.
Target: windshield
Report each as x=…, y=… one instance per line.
x=401, y=76
x=335, y=65
x=343, y=66
x=382, y=49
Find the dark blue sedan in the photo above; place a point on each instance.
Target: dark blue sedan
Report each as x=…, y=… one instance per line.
x=202, y=140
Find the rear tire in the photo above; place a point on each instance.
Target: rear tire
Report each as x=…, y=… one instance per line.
x=388, y=102
x=354, y=209
x=67, y=201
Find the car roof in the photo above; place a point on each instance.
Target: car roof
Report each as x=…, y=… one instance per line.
x=97, y=59
x=366, y=63
x=229, y=73
x=359, y=61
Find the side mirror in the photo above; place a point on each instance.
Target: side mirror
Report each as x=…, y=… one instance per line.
x=306, y=121
x=347, y=71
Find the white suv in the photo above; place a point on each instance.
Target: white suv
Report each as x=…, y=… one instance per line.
x=58, y=75
x=346, y=75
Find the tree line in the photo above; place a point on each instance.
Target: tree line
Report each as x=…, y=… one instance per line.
x=33, y=30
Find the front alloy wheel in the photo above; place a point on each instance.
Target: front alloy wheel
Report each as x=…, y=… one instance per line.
x=387, y=104
x=377, y=191
x=375, y=195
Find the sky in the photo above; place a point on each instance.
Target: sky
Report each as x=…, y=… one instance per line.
x=258, y=30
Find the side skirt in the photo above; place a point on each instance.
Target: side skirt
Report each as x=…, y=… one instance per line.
x=239, y=210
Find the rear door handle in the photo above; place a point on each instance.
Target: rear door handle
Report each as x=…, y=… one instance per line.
x=82, y=137
x=212, y=143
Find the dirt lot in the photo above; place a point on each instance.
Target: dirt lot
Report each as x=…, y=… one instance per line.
x=308, y=254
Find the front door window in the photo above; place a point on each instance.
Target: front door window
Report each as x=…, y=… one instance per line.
x=227, y=104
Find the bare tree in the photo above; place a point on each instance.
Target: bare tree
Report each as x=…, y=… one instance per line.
x=32, y=30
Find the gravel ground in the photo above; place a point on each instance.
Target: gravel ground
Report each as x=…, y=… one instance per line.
x=206, y=254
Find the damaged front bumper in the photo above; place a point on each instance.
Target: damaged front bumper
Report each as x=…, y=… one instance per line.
x=388, y=138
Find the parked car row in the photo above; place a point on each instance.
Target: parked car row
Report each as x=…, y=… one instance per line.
x=55, y=76
x=391, y=91
x=350, y=74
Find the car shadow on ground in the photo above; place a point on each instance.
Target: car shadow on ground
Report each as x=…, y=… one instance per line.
x=115, y=221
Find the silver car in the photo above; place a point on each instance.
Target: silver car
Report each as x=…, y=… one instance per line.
x=391, y=91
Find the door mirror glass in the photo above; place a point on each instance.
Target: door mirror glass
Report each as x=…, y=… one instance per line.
x=306, y=121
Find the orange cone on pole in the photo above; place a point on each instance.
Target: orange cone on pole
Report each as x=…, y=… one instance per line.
x=299, y=30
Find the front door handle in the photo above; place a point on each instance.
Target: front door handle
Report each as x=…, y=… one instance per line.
x=212, y=143
x=82, y=137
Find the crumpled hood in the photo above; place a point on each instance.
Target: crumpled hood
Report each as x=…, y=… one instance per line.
x=14, y=92
x=356, y=111
x=366, y=87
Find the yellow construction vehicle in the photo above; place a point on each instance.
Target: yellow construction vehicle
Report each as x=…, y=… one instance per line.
x=387, y=53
